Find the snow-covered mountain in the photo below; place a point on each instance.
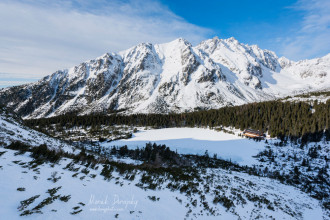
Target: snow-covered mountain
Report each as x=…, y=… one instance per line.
x=170, y=77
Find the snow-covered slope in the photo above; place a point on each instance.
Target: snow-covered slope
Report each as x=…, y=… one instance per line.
x=12, y=129
x=170, y=77
x=66, y=190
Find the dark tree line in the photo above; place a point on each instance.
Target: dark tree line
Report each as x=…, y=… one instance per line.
x=151, y=153
x=281, y=119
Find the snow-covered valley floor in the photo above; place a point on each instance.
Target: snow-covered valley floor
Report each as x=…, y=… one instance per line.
x=197, y=141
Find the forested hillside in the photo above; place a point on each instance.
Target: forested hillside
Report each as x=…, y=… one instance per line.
x=280, y=119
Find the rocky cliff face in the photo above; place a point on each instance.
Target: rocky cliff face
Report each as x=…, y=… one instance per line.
x=171, y=77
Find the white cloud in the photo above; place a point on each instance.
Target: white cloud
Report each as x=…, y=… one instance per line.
x=9, y=83
x=313, y=36
x=39, y=37
x=7, y=79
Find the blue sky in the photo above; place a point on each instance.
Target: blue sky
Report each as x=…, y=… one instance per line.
x=253, y=22
x=38, y=37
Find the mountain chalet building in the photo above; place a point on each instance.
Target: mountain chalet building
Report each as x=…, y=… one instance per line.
x=253, y=133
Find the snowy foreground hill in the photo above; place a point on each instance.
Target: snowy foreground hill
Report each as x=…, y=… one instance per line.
x=92, y=196
x=108, y=182
x=170, y=77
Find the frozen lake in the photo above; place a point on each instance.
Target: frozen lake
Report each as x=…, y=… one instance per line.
x=197, y=141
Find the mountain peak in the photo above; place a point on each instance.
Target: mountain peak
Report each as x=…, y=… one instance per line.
x=232, y=39
x=181, y=41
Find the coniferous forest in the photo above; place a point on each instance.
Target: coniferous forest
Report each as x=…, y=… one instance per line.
x=293, y=120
